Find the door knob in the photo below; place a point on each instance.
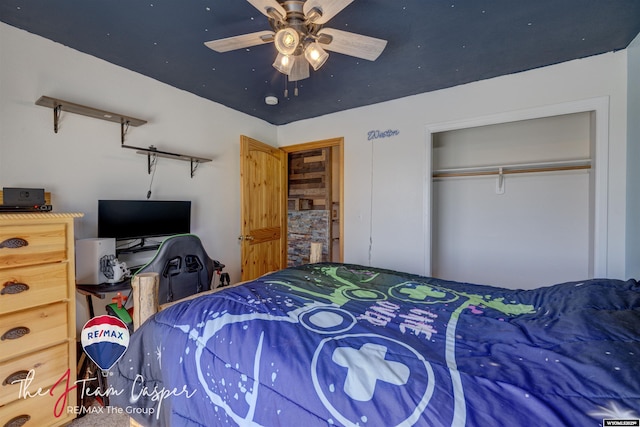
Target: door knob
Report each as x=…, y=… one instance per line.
x=247, y=237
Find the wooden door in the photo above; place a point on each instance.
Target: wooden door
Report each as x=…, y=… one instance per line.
x=263, y=212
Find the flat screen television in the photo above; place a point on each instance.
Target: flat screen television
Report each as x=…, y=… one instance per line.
x=139, y=219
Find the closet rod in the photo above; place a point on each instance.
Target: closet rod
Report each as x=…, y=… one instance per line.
x=513, y=169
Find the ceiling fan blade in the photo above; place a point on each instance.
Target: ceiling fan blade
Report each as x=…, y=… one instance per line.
x=300, y=69
x=329, y=8
x=239, y=42
x=353, y=44
x=264, y=5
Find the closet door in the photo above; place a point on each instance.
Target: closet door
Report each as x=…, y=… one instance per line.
x=513, y=203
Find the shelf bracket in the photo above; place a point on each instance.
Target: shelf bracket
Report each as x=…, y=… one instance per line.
x=124, y=127
x=194, y=165
x=500, y=182
x=151, y=163
x=56, y=117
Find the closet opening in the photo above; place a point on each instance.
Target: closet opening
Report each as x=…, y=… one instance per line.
x=519, y=203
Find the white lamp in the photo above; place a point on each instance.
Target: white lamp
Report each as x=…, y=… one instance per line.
x=287, y=40
x=316, y=55
x=283, y=63
x=300, y=69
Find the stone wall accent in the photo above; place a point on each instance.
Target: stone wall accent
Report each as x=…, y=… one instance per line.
x=305, y=227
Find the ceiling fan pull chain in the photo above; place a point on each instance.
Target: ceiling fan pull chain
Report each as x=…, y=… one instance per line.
x=295, y=89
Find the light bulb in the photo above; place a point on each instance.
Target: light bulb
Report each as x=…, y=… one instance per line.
x=286, y=41
x=283, y=63
x=316, y=55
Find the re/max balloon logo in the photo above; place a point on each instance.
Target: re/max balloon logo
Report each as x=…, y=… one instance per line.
x=105, y=339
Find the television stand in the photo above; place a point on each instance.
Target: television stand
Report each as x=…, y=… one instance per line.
x=140, y=247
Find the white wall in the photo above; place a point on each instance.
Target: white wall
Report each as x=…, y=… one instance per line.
x=84, y=162
x=633, y=160
x=388, y=228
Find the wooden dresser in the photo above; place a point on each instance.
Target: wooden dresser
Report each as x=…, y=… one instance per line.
x=37, y=319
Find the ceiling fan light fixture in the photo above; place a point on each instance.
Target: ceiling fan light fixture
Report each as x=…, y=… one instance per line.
x=301, y=40
x=287, y=40
x=316, y=55
x=283, y=63
x=313, y=15
x=274, y=14
x=300, y=69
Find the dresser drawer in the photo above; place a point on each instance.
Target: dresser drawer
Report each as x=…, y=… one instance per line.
x=33, y=329
x=38, y=411
x=37, y=370
x=26, y=287
x=32, y=244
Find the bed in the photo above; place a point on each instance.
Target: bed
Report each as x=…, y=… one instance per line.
x=348, y=345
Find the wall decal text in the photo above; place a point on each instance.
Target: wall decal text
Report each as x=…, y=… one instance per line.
x=377, y=134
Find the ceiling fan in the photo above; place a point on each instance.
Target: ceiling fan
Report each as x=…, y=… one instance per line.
x=300, y=38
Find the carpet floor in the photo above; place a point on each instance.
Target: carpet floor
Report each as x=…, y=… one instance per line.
x=103, y=419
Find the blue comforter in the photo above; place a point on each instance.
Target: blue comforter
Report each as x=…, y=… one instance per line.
x=346, y=345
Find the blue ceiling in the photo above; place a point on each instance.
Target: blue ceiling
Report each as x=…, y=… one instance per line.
x=432, y=44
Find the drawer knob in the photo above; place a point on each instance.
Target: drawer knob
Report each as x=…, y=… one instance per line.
x=13, y=243
x=13, y=288
x=18, y=421
x=15, y=333
x=16, y=376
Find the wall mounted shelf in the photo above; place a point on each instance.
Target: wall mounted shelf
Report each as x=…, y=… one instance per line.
x=59, y=105
x=154, y=152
